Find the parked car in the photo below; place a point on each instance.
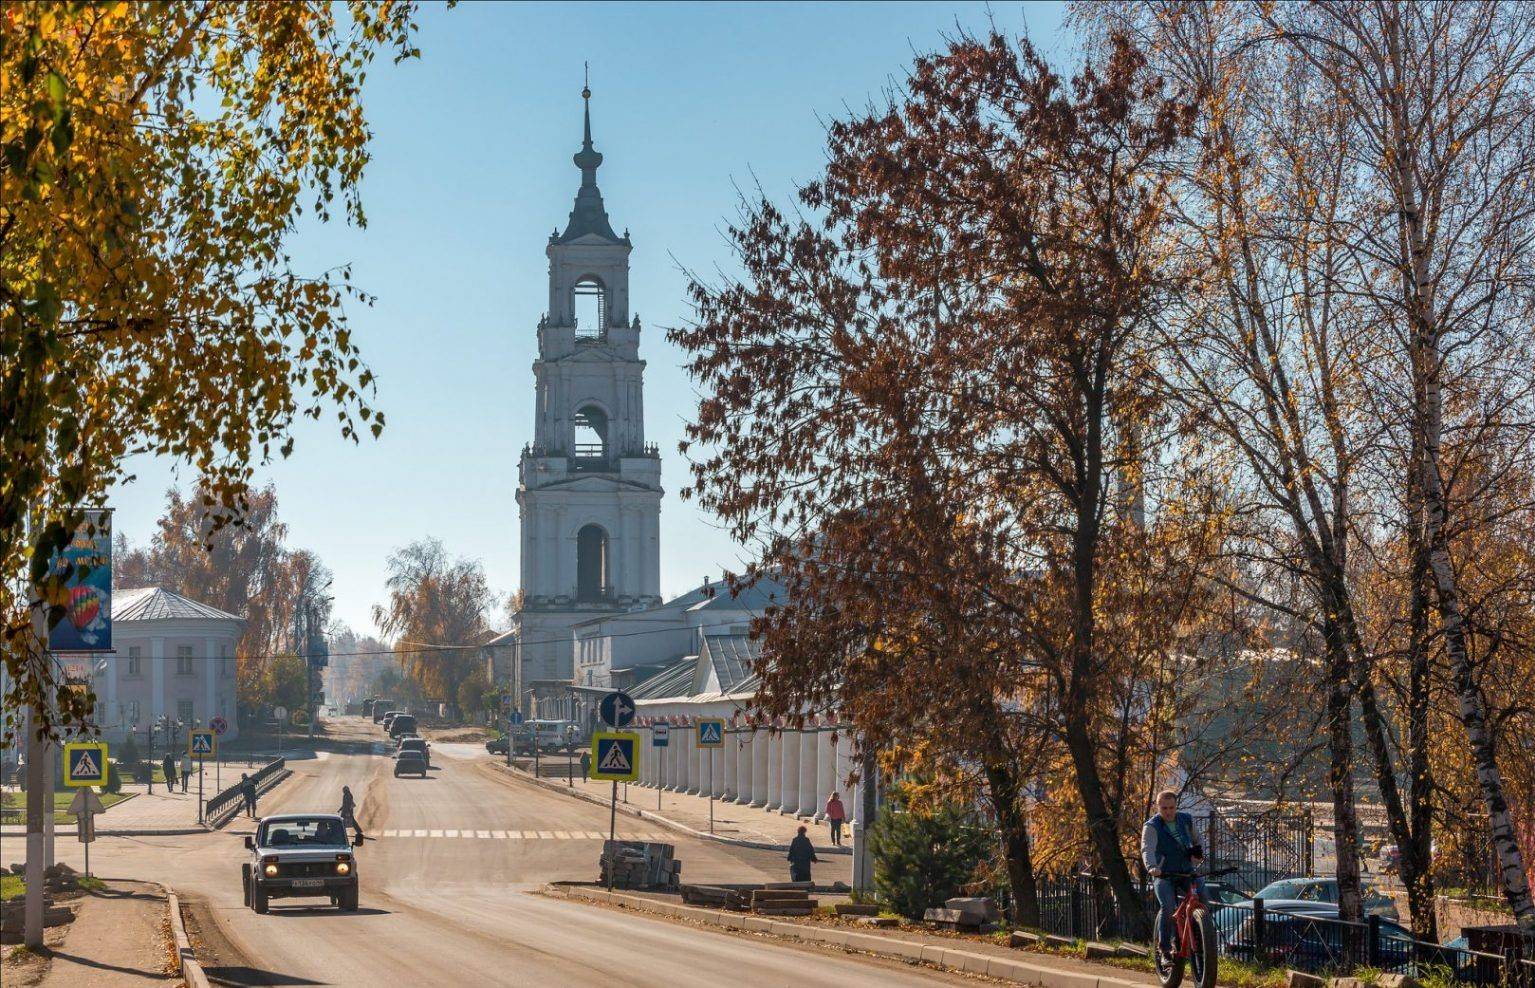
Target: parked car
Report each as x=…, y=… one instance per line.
x=1306, y=934
x=296, y=855
x=551, y=735
x=414, y=743
x=1376, y=902
x=409, y=763
x=401, y=725
x=497, y=746
x=381, y=707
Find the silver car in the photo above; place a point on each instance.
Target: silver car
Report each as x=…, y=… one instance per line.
x=296, y=855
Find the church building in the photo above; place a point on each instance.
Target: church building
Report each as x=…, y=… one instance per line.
x=589, y=485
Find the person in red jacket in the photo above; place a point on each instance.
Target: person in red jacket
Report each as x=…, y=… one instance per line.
x=836, y=815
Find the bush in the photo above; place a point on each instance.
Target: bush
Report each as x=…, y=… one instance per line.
x=128, y=751
x=921, y=859
x=114, y=777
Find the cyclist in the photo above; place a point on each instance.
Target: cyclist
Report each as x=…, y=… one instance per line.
x=1168, y=848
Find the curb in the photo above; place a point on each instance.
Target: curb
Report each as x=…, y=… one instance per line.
x=1002, y=968
x=191, y=970
x=655, y=817
x=104, y=832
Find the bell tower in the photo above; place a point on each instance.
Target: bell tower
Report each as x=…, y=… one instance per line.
x=589, y=491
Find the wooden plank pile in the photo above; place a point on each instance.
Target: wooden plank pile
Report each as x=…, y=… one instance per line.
x=639, y=865
x=973, y=914
x=717, y=897
x=770, y=901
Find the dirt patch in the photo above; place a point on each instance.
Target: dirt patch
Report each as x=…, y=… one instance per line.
x=21, y=968
x=459, y=735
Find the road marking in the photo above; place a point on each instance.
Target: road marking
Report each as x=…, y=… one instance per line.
x=482, y=833
x=418, y=833
x=498, y=834
x=546, y=834
x=450, y=833
x=562, y=835
x=436, y=833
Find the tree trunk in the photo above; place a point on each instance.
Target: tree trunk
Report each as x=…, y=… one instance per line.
x=1103, y=831
x=1007, y=799
x=1340, y=744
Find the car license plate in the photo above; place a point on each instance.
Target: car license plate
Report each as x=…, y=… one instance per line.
x=309, y=883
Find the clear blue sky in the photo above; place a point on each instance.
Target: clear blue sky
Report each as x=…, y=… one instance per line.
x=471, y=171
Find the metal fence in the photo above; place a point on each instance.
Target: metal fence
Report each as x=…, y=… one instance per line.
x=231, y=795
x=1261, y=847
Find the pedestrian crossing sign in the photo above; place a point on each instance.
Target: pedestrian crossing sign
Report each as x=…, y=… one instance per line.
x=85, y=763
x=202, y=743
x=711, y=732
x=615, y=756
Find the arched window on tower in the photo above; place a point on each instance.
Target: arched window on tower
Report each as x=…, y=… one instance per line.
x=589, y=305
x=591, y=438
x=592, y=564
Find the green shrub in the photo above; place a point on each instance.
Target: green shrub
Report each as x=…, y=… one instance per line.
x=114, y=777
x=921, y=859
x=128, y=751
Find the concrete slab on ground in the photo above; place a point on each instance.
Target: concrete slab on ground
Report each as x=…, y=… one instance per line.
x=121, y=935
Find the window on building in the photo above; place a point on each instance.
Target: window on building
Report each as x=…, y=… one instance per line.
x=135, y=660
x=183, y=660
x=591, y=433
x=592, y=563
x=184, y=711
x=589, y=305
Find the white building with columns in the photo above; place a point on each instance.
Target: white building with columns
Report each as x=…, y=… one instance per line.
x=172, y=657
x=776, y=767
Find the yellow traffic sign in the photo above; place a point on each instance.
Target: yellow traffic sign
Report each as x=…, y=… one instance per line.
x=85, y=763
x=615, y=756
x=202, y=743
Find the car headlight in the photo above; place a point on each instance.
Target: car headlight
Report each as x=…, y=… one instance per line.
x=271, y=870
x=343, y=868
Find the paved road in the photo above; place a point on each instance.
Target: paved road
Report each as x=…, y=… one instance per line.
x=464, y=910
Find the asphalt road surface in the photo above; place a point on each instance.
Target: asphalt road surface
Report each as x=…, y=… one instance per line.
x=439, y=909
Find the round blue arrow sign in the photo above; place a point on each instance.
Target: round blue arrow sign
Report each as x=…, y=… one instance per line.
x=616, y=709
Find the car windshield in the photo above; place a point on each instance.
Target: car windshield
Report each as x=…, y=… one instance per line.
x=303, y=833
x=408, y=754
x=1288, y=889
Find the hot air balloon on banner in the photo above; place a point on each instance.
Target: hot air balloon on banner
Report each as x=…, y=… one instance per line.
x=86, y=624
x=85, y=612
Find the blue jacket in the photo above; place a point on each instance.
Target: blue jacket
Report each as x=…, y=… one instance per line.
x=1168, y=847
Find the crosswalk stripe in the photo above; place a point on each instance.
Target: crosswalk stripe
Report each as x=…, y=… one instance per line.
x=594, y=835
x=546, y=834
x=482, y=833
x=498, y=834
x=419, y=833
x=562, y=835
x=436, y=833
x=450, y=833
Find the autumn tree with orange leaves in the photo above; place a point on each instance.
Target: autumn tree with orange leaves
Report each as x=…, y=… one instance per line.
x=931, y=408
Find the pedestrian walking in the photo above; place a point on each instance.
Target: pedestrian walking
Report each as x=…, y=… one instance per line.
x=186, y=771
x=801, y=855
x=586, y=764
x=349, y=812
x=836, y=816
x=168, y=766
x=248, y=790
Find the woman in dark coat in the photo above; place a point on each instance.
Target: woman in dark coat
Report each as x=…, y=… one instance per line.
x=801, y=854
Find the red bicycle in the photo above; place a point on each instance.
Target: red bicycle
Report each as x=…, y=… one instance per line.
x=1194, y=945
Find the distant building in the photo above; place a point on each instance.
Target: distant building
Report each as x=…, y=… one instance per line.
x=172, y=656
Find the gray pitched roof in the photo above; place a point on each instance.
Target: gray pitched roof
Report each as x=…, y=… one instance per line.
x=675, y=679
x=160, y=604
x=733, y=658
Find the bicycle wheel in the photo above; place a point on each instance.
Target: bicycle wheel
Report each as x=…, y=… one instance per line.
x=1169, y=971
x=1203, y=959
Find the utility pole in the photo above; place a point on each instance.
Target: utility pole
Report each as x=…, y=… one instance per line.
x=39, y=793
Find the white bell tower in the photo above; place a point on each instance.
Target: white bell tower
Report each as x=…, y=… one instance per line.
x=589, y=491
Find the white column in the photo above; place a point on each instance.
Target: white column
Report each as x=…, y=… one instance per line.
x=156, y=678
x=745, y=751
x=760, y=746
x=844, y=767
x=788, y=798
x=807, y=772
x=825, y=772
x=211, y=667
x=774, y=770
x=673, y=748
x=690, y=759
x=729, y=758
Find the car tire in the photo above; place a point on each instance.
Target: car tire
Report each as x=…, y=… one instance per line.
x=245, y=885
x=348, y=899
x=258, y=899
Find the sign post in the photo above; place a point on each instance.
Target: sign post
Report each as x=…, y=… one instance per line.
x=615, y=758
x=660, y=737
x=218, y=725
x=280, y=714
x=202, y=744
x=514, y=721
x=84, y=808
x=711, y=735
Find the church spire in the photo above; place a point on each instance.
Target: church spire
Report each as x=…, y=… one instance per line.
x=589, y=216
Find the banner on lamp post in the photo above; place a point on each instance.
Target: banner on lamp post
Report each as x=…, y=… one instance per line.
x=87, y=622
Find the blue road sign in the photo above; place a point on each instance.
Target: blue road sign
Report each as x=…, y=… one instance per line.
x=85, y=763
x=616, y=709
x=660, y=735
x=615, y=757
x=711, y=732
x=202, y=743
x=516, y=718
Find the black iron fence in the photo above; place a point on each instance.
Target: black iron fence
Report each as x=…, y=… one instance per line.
x=231, y=796
x=1083, y=908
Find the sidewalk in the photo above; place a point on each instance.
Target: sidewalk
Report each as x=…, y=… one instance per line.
x=120, y=936
x=733, y=822
x=163, y=813
x=975, y=955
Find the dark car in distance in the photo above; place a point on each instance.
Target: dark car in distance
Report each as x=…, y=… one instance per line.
x=414, y=743
x=409, y=763
x=402, y=725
